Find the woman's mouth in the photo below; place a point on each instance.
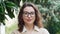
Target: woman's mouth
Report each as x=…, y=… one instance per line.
x=28, y=19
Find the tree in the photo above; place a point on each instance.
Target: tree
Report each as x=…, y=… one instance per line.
x=8, y=5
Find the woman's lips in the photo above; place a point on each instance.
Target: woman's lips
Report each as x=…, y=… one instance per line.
x=28, y=19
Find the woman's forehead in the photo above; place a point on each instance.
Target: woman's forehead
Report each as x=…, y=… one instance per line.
x=29, y=9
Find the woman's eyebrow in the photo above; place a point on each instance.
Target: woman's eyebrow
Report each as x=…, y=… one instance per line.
x=29, y=12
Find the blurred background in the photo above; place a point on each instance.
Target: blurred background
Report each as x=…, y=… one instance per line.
x=50, y=10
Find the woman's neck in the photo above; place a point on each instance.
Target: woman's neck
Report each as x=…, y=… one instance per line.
x=29, y=27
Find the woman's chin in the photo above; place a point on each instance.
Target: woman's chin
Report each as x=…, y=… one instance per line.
x=29, y=22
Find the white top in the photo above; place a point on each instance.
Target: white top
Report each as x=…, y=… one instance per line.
x=35, y=31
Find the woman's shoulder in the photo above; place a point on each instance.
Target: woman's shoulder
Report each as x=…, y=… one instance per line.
x=44, y=31
x=43, y=28
x=15, y=32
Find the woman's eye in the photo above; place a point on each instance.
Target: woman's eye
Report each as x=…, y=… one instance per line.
x=32, y=13
x=25, y=13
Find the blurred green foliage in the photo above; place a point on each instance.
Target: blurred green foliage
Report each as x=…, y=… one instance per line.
x=10, y=29
x=50, y=10
x=8, y=6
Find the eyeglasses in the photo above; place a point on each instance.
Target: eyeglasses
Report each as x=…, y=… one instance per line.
x=27, y=13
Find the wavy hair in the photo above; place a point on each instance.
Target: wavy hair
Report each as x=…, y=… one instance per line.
x=38, y=19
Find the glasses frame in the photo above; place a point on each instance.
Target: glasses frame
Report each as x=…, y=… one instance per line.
x=29, y=13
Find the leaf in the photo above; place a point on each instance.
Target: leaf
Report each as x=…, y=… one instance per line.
x=37, y=2
x=24, y=1
x=17, y=2
x=10, y=4
x=2, y=18
x=9, y=7
x=2, y=9
x=10, y=13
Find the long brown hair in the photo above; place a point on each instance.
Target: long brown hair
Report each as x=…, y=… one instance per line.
x=38, y=20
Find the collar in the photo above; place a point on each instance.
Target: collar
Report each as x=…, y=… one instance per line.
x=36, y=28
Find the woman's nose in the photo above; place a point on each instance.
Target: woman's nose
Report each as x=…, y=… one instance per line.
x=29, y=15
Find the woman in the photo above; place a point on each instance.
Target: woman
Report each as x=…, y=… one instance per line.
x=30, y=20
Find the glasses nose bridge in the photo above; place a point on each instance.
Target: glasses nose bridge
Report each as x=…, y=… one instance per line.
x=29, y=14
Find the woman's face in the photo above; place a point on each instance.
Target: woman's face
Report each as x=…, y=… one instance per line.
x=28, y=15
